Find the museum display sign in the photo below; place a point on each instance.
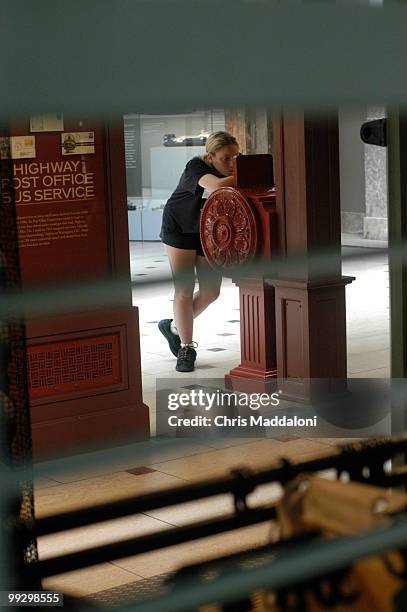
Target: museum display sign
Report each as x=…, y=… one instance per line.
x=67, y=178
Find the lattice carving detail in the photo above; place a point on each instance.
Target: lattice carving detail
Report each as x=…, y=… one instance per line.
x=67, y=366
x=228, y=228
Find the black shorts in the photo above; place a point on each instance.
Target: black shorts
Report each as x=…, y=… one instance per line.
x=184, y=241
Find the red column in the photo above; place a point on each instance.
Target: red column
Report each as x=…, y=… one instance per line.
x=310, y=293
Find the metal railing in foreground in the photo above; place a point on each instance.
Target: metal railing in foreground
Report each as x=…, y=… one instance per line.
x=322, y=556
x=352, y=460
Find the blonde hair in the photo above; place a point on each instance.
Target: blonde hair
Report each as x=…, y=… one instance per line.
x=216, y=141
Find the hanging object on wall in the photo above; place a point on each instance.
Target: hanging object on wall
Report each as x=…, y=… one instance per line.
x=170, y=140
x=374, y=132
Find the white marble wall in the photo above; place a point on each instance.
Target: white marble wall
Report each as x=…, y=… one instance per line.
x=352, y=170
x=363, y=174
x=375, y=221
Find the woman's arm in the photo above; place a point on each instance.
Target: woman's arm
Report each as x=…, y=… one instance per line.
x=211, y=182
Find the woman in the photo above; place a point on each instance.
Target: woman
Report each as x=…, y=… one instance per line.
x=180, y=235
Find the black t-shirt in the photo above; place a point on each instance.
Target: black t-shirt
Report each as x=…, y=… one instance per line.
x=182, y=210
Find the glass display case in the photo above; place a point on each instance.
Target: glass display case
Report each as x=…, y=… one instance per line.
x=157, y=150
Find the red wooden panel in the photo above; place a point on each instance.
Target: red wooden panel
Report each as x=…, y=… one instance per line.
x=294, y=339
x=73, y=365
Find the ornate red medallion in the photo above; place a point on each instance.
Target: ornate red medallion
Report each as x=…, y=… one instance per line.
x=228, y=229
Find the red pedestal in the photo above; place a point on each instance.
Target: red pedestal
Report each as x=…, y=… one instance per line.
x=85, y=380
x=311, y=338
x=238, y=229
x=258, y=368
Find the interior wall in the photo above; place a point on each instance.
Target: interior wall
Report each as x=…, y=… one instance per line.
x=352, y=170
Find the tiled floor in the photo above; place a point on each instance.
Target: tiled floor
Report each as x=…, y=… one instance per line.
x=207, y=462
x=217, y=328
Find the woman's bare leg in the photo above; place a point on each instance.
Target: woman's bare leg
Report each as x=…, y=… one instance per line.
x=209, y=286
x=182, y=262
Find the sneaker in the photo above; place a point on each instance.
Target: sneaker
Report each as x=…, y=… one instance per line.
x=186, y=359
x=173, y=340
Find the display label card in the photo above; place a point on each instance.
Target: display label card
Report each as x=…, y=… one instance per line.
x=46, y=123
x=77, y=143
x=17, y=147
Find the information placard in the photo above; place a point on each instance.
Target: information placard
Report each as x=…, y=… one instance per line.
x=61, y=202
